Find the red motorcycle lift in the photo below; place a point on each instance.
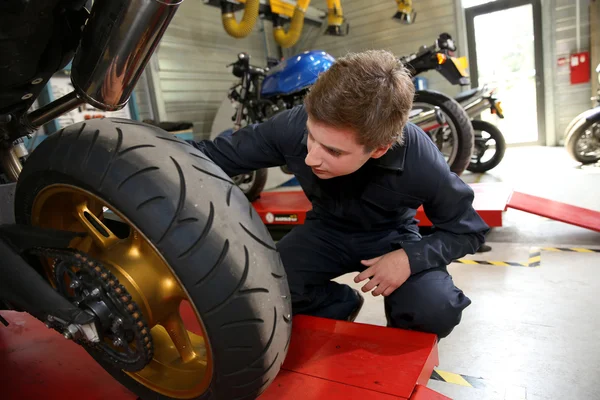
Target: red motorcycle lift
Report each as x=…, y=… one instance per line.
x=491, y=200
x=290, y=207
x=327, y=359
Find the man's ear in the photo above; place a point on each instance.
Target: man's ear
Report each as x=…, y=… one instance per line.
x=380, y=151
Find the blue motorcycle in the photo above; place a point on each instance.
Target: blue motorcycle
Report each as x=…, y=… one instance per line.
x=263, y=92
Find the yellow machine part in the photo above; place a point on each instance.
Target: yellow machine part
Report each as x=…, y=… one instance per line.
x=404, y=6
x=288, y=39
x=462, y=64
x=282, y=8
x=335, y=16
x=244, y=27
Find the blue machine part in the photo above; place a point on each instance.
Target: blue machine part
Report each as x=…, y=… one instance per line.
x=296, y=73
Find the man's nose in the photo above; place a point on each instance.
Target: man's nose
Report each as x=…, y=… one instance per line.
x=312, y=158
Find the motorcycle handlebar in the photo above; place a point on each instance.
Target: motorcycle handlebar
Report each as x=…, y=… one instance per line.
x=239, y=68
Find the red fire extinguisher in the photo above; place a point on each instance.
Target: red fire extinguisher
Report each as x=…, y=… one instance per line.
x=580, y=67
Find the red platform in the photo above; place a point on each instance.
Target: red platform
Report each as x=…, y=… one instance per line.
x=290, y=207
x=327, y=359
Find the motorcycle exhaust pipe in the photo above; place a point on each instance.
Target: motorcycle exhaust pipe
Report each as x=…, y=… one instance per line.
x=425, y=119
x=475, y=107
x=116, y=45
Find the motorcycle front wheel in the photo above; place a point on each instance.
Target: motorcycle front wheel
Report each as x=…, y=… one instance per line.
x=490, y=147
x=181, y=248
x=451, y=131
x=253, y=183
x=583, y=144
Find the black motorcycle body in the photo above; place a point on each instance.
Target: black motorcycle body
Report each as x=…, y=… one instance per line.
x=118, y=226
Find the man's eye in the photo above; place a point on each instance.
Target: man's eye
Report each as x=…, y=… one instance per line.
x=334, y=153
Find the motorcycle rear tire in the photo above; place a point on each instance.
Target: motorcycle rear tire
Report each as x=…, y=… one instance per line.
x=201, y=224
x=460, y=119
x=496, y=134
x=572, y=140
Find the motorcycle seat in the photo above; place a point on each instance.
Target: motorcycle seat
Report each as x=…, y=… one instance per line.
x=466, y=95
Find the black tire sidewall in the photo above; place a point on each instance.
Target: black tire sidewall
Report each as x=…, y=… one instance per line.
x=461, y=121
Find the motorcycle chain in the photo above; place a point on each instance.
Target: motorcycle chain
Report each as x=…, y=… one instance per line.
x=121, y=299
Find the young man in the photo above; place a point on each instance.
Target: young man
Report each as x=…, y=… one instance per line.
x=365, y=171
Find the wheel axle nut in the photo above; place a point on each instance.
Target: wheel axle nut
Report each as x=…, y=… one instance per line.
x=72, y=332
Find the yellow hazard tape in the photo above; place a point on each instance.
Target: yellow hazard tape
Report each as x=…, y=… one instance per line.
x=535, y=257
x=457, y=379
x=572, y=249
x=496, y=263
x=466, y=261
x=534, y=260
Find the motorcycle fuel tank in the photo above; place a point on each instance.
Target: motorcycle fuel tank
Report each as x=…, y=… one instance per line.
x=296, y=73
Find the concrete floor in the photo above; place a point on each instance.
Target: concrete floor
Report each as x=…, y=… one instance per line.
x=530, y=333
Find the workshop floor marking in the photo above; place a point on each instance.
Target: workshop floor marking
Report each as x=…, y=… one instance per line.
x=572, y=249
x=458, y=379
x=496, y=263
x=534, y=260
x=535, y=257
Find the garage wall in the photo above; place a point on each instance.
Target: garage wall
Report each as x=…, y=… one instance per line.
x=192, y=76
x=569, y=100
x=594, y=44
x=372, y=27
x=143, y=98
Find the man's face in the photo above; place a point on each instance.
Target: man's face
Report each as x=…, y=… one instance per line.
x=335, y=152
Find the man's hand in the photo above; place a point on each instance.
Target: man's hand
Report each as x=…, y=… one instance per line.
x=387, y=273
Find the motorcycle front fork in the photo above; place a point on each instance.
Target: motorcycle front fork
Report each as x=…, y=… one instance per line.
x=10, y=159
x=239, y=116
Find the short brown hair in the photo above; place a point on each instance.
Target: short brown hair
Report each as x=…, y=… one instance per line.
x=370, y=93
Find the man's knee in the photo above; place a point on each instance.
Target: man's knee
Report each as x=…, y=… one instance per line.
x=443, y=320
x=437, y=312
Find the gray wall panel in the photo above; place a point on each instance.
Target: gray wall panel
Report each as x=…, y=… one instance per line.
x=372, y=27
x=143, y=98
x=192, y=59
x=569, y=100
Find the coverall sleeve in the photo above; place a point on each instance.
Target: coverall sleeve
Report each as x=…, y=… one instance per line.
x=255, y=146
x=458, y=229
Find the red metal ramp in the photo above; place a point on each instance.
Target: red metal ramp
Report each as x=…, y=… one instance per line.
x=326, y=360
x=337, y=360
x=573, y=215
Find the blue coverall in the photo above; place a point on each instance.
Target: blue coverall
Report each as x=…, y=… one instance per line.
x=364, y=215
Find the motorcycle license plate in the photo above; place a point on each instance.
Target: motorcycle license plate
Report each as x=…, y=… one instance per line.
x=461, y=65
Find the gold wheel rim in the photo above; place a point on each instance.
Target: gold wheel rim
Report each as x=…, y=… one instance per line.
x=182, y=363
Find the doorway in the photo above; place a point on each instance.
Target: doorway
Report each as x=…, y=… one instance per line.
x=505, y=52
